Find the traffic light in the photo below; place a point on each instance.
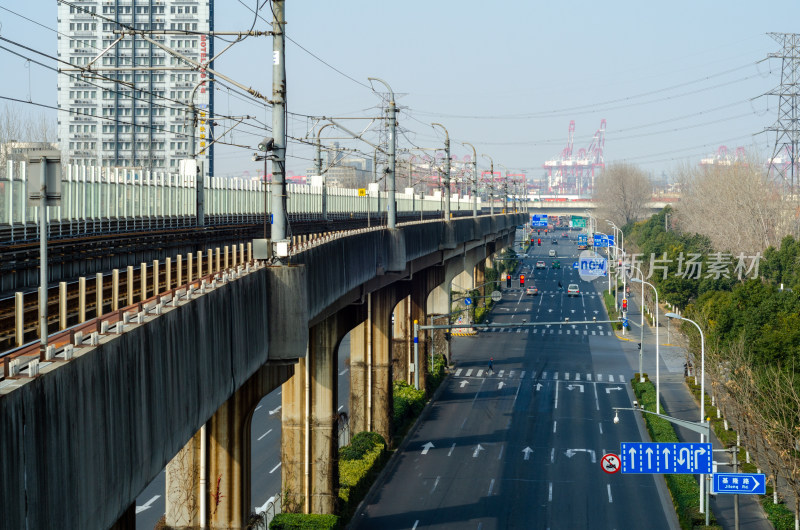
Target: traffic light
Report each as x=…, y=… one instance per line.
x=639, y=344
x=538, y=232
x=545, y=230
x=521, y=280
x=508, y=281
x=447, y=335
x=624, y=304
x=531, y=241
x=540, y=241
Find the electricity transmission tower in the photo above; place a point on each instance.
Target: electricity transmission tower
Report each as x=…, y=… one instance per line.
x=783, y=165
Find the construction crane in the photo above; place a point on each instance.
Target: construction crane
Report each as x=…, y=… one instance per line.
x=575, y=173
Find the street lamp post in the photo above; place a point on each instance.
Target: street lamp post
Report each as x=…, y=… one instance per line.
x=491, y=185
x=658, y=358
x=446, y=171
x=323, y=192
x=474, y=192
x=390, y=170
x=702, y=400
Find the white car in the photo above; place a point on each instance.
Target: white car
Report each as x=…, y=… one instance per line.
x=540, y=265
x=552, y=253
x=573, y=290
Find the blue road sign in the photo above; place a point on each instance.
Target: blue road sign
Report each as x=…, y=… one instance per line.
x=625, y=322
x=602, y=240
x=671, y=458
x=539, y=221
x=743, y=483
x=467, y=300
x=582, y=238
x=592, y=266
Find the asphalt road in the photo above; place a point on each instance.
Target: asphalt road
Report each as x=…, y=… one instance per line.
x=522, y=447
x=265, y=445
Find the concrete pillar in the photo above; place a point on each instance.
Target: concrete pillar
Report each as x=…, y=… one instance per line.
x=309, y=444
x=480, y=279
x=422, y=283
x=402, y=340
x=228, y=460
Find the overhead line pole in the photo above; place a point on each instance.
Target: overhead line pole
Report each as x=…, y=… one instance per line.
x=474, y=180
x=446, y=171
x=390, y=170
x=278, y=185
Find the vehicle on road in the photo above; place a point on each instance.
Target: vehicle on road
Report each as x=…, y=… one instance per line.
x=533, y=291
x=554, y=241
x=582, y=247
x=540, y=265
x=556, y=264
x=565, y=235
x=552, y=253
x=573, y=290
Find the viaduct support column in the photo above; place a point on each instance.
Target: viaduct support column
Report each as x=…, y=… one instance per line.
x=309, y=445
x=422, y=283
x=223, y=477
x=402, y=340
x=479, y=277
x=371, y=366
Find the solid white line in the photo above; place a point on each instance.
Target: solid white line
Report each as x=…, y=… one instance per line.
x=274, y=468
x=263, y=435
x=601, y=427
x=491, y=486
x=556, y=404
x=415, y=524
x=550, y=494
x=609, y=493
x=554, y=425
x=451, y=449
x=596, y=401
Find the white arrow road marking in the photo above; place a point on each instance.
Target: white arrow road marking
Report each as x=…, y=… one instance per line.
x=608, y=390
x=572, y=310
x=595, y=312
x=527, y=452
x=463, y=383
x=477, y=450
x=427, y=447
x=500, y=385
x=572, y=452
x=147, y=505
x=571, y=387
x=538, y=386
x=275, y=410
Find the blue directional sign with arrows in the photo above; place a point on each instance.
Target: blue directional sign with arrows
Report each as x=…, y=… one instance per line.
x=671, y=458
x=742, y=483
x=602, y=240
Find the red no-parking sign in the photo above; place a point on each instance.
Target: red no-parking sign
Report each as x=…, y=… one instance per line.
x=610, y=463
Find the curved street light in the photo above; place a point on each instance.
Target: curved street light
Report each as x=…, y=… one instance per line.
x=658, y=358
x=491, y=185
x=446, y=171
x=474, y=192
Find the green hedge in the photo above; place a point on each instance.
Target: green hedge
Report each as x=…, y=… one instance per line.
x=684, y=489
x=408, y=403
x=359, y=464
x=436, y=375
x=301, y=521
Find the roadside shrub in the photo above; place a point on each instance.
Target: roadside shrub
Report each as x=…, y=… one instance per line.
x=437, y=374
x=408, y=403
x=301, y=521
x=361, y=444
x=366, y=456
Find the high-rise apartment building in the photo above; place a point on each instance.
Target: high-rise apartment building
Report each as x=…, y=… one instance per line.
x=121, y=111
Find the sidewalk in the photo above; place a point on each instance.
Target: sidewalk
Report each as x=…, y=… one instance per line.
x=677, y=401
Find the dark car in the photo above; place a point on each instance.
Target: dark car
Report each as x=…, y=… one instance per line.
x=556, y=264
x=554, y=241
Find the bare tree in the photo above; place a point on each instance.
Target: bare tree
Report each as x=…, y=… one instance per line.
x=736, y=206
x=623, y=191
x=19, y=126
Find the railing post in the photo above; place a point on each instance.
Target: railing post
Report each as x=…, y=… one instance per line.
x=81, y=299
x=210, y=267
x=155, y=277
x=168, y=274
x=179, y=270
x=143, y=280
x=19, y=319
x=130, y=284
x=98, y=295
x=199, y=264
x=189, y=263
x=115, y=290
x=62, y=305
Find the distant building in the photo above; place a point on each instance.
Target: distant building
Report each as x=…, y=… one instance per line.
x=107, y=123
x=18, y=151
x=343, y=170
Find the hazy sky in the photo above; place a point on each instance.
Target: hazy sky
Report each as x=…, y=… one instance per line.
x=674, y=80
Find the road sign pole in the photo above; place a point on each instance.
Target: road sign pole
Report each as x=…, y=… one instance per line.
x=416, y=354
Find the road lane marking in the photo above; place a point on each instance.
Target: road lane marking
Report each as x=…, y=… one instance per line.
x=258, y=407
x=415, y=525
x=263, y=435
x=566, y=376
x=517, y=393
x=480, y=372
x=554, y=425
x=450, y=452
x=544, y=375
x=552, y=454
x=469, y=372
x=500, y=373
x=621, y=379
x=556, y=404
x=555, y=376
x=550, y=493
x=458, y=372
x=343, y=371
x=522, y=375
x=491, y=487
x=274, y=468
x=147, y=505
x=577, y=377
x=601, y=428
x=500, y=456
x=588, y=377
x=340, y=408
x=609, y=493
x=435, y=484
x=599, y=377
x=596, y=401
x=610, y=378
